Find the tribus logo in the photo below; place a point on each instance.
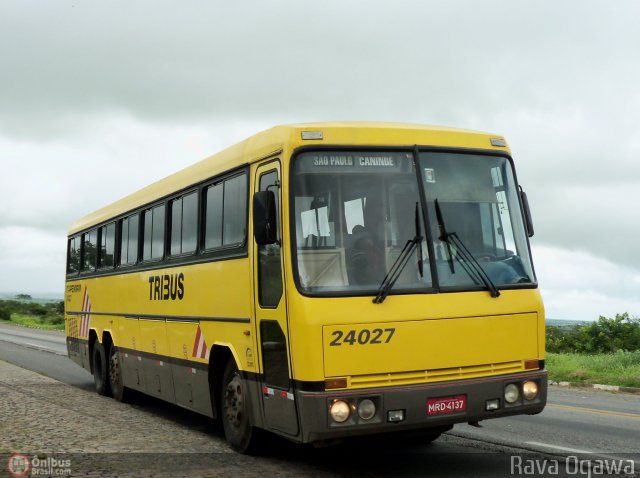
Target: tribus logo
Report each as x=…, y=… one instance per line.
x=19, y=465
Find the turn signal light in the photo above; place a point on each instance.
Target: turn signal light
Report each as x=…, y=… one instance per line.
x=532, y=364
x=332, y=383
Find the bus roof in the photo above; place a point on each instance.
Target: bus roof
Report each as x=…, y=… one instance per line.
x=288, y=137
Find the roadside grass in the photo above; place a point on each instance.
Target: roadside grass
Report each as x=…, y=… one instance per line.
x=619, y=368
x=36, y=322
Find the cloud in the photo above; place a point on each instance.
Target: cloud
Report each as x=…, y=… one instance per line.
x=580, y=286
x=410, y=60
x=53, y=183
x=32, y=260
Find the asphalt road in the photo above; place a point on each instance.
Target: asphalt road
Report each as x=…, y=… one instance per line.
x=575, y=422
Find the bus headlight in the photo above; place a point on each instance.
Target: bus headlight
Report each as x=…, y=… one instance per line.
x=366, y=409
x=511, y=393
x=339, y=411
x=529, y=390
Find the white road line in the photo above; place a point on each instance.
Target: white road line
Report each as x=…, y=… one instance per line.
x=40, y=347
x=556, y=447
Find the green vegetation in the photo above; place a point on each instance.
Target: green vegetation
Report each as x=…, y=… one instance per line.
x=603, y=336
x=619, y=368
x=606, y=351
x=47, y=315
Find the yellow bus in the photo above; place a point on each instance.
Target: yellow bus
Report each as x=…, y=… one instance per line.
x=318, y=281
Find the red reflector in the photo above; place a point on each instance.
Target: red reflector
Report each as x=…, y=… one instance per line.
x=532, y=364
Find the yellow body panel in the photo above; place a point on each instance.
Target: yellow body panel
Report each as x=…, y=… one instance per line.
x=212, y=290
x=428, y=345
x=432, y=331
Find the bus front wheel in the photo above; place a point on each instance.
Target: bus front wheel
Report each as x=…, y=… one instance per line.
x=236, y=421
x=100, y=369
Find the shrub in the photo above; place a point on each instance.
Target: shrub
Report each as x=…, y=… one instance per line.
x=4, y=313
x=605, y=335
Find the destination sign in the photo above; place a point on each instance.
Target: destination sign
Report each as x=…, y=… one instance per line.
x=323, y=162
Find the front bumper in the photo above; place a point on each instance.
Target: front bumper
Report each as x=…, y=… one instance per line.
x=316, y=424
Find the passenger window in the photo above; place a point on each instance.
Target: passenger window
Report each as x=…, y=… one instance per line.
x=226, y=213
x=89, y=249
x=129, y=240
x=235, y=211
x=184, y=224
x=107, y=246
x=213, y=227
x=73, y=255
x=153, y=243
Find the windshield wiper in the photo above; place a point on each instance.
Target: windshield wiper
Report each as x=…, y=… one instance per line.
x=400, y=263
x=470, y=264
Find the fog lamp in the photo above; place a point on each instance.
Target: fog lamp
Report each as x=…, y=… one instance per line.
x=511, y=393
x=492, y=404
x=366, y=409
x=395, y=416
x=530, y=390
x=340, y=411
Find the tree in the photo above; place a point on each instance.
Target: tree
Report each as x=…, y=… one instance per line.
x=23, y=297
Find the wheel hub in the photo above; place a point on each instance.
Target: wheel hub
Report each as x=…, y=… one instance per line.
x=234, y=401
x=114, y=368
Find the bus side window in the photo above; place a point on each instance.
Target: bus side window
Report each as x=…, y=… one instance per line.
x=153, y=243
x=89, y=249
x=129, y=240
x=107, y=246
x=269, y=268
x=73, y=258
x=226, y=213
x=184, y=224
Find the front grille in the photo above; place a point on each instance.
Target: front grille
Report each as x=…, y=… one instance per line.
x=435, y=375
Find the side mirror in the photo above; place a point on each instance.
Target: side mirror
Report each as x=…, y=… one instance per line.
x=527, y=212
x=265, y=225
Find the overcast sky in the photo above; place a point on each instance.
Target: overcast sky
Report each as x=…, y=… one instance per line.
x=98, y=99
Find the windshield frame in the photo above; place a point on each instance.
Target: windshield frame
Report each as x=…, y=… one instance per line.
x=431, y=267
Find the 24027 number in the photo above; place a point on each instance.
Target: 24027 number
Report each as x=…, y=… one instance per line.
x=362, y=337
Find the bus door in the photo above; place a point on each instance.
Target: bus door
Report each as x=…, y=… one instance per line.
x=271, y=317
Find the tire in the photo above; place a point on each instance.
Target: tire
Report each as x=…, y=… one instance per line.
x=235, y=411
x=116, y=383
x=100, y=377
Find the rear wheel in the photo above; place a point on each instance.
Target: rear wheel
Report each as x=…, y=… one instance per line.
x=118, y=390
x=235, y=407
x=100, y=377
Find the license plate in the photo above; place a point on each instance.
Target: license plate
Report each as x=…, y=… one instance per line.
x=444, y=405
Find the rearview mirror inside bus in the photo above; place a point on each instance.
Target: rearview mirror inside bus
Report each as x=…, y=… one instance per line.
x=264, y=218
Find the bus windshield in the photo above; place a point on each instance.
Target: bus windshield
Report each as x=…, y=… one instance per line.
x=354, y=213
x=473, y=204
